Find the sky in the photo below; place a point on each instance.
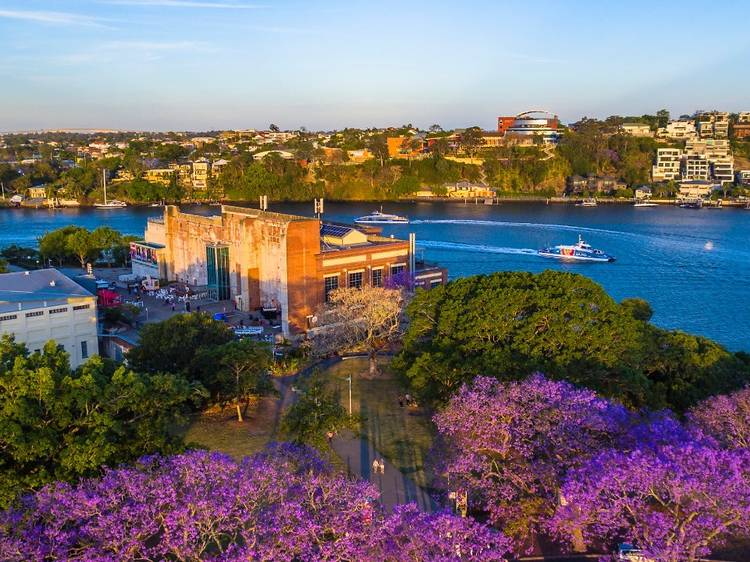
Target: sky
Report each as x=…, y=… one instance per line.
x=217, y=64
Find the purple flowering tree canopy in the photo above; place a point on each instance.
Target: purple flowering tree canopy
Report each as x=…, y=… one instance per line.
x=726, y=418
x=282, y=504
x=508, y=445
x=676, y=502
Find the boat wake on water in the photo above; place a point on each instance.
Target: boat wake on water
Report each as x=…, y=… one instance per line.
x=540, y=225
x=478, y=248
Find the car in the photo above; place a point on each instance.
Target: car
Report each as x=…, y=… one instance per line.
x=626, y=552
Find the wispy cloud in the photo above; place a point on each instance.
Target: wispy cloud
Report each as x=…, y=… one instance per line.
x=185, y=4
x=143, y=50
x=534, y=58
x=281, y=29
x=54, y=18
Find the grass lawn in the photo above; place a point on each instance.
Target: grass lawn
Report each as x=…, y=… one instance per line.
x=220, y=431
x=402, y=435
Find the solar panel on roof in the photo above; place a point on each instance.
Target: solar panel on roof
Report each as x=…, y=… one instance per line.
x=334, y=230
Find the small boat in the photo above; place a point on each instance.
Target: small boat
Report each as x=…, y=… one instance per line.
x=580, y=251
x=379, y=217
x=112, y=203
x=590, y=202
x=692, y=204
x=645, y=204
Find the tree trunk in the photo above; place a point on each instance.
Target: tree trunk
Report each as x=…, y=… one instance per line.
x=373, y=364
x=239, y=411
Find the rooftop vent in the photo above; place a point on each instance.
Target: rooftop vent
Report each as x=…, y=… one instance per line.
x=52, y=283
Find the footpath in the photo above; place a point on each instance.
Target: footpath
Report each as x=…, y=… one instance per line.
x=395, y=487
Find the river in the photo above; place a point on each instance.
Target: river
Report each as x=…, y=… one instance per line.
x=693, y=266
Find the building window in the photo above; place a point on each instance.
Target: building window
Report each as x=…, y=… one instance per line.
x=355, y=280
x=84, y=349
x=397, y=269
x=435, y=283
x=217, y=262
x=82, y=307
x=58, y=310
x=32, y=314
x=8, y=317
x=377, y=277
x=331, y=284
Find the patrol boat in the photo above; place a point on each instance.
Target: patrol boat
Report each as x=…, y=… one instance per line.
x=581, y=251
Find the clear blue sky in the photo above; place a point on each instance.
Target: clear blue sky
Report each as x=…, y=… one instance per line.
x=206, y=64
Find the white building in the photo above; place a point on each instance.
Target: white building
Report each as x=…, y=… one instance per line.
x=717, y=153
x=697, y=167
x=43, y=305
x=696, y=189
x=667, y=165
x=678, y=130
x=713, y=125
x=743, y=176
x=637, y=129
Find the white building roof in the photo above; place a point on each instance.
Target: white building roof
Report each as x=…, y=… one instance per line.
x=32, y=289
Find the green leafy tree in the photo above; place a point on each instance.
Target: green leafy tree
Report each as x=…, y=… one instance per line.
x=178, y=345
x=662, y=117
x=243, y=371
x=316, y=412
x=59, y=424
x=82, y=244
x=510, y=324
x=471, y=139
x=54, y=245
x=3, y=266
x=378, y=145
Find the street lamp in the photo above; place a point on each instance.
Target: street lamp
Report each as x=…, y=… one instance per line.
x=349, y=379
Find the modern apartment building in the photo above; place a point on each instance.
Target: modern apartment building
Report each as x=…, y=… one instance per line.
x=717, y=153
x=274, y=261
x=713, y=125
x=667, y=165
x=678, y=130
x=43, y=305
x=696, y=167
x=741, y=129
x=637, y=129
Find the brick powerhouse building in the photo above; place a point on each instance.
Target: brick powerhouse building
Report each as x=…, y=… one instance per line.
x=272, y=260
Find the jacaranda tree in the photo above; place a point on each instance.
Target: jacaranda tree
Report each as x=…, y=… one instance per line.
x=676, y=502
x=282, y=504
x=509, y=445
x=726, y=418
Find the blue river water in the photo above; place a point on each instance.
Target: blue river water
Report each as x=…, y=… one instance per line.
x=693, y=266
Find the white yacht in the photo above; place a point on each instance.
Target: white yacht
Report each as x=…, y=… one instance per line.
x=581, y=251
x=379, y=217
x=644, y=203
x=590, y=202
x=112, y=203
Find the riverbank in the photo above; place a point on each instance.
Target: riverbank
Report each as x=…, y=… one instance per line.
x=497, y=200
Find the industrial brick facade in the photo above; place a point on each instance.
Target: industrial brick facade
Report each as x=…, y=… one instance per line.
x=275, y=260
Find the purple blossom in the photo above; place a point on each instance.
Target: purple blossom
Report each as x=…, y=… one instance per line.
x=726, y=418
x=676, y=502
x=282, y=504
x=508, y=445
